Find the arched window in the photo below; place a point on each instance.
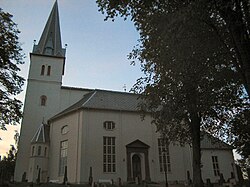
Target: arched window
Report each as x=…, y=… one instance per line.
x=39, y=150
x=64, y=129
x=48, y=70
x=45, y=151
x=33, y=151
x=42, y=69
x=43, y=100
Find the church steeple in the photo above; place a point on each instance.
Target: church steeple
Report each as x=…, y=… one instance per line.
x=50, y=41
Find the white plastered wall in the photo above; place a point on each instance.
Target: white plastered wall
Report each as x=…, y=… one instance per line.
x=225, y=161
x=74, y=147
x=86, y=148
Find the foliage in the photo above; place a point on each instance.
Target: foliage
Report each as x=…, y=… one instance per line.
x=7, y=165
x=241, y=128
x=16, y=137
x=10, y=82
x=229, y=19
x=192, y=73
x=244, y=166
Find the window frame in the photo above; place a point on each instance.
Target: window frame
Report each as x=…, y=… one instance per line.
x=43, y=100
x=45, y=151
x=109, y=125
x=109, y=154
x=42, y=70
x=64, y=129
x=39, y=150
x=63, y=157
x=33, y=150
x=48, y=70
x=164, y=155
x=216, y=168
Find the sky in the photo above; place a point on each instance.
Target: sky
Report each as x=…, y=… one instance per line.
x=96, y=54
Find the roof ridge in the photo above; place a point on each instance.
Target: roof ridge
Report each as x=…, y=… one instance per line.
x=93, y=94
x=97, y=89
x=74, y=106
x=34, y=137
x=76, y=88
x=214, y=141
x=116, y=91
x=40, y=132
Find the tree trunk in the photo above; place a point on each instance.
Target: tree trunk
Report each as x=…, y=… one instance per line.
x=196, y=148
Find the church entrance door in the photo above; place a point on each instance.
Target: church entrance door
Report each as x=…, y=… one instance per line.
x=136, y=165
x=137, y=161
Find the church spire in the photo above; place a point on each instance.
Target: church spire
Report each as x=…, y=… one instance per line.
x=50, y=41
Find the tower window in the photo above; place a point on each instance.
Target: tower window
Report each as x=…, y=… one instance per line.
x=48, y=70
x=45, y=151
x=33, y=150
x=39, y=150
x=43, y=100
x=42, y=69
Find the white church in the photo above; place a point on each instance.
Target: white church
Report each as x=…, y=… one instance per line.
x=97, y=134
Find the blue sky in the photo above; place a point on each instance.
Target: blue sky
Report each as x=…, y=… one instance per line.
x=96, y=55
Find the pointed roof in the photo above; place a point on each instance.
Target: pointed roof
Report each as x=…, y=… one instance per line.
x=50, y=41
x=41, y=135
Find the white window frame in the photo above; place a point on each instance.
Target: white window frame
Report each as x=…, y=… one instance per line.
x=109, y=155
x=164, y=156
x=65, y=129
x=109, y=125
x=63, y=156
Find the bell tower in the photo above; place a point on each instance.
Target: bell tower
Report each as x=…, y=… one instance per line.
x=43, y=92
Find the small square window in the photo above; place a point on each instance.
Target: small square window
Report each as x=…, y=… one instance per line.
x=109, y=125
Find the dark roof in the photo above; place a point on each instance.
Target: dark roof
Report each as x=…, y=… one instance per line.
x=106, y=100
x=123, y=101
x=210, y=142
x=75, y=88
x=41, y=135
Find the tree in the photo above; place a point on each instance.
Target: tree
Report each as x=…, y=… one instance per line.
x=229, y=19
x=241, y=140
x=244, y=167
x=236, y=15
x=241, y=128
x=10, y=82
x=7, y=165
x=191, y=80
